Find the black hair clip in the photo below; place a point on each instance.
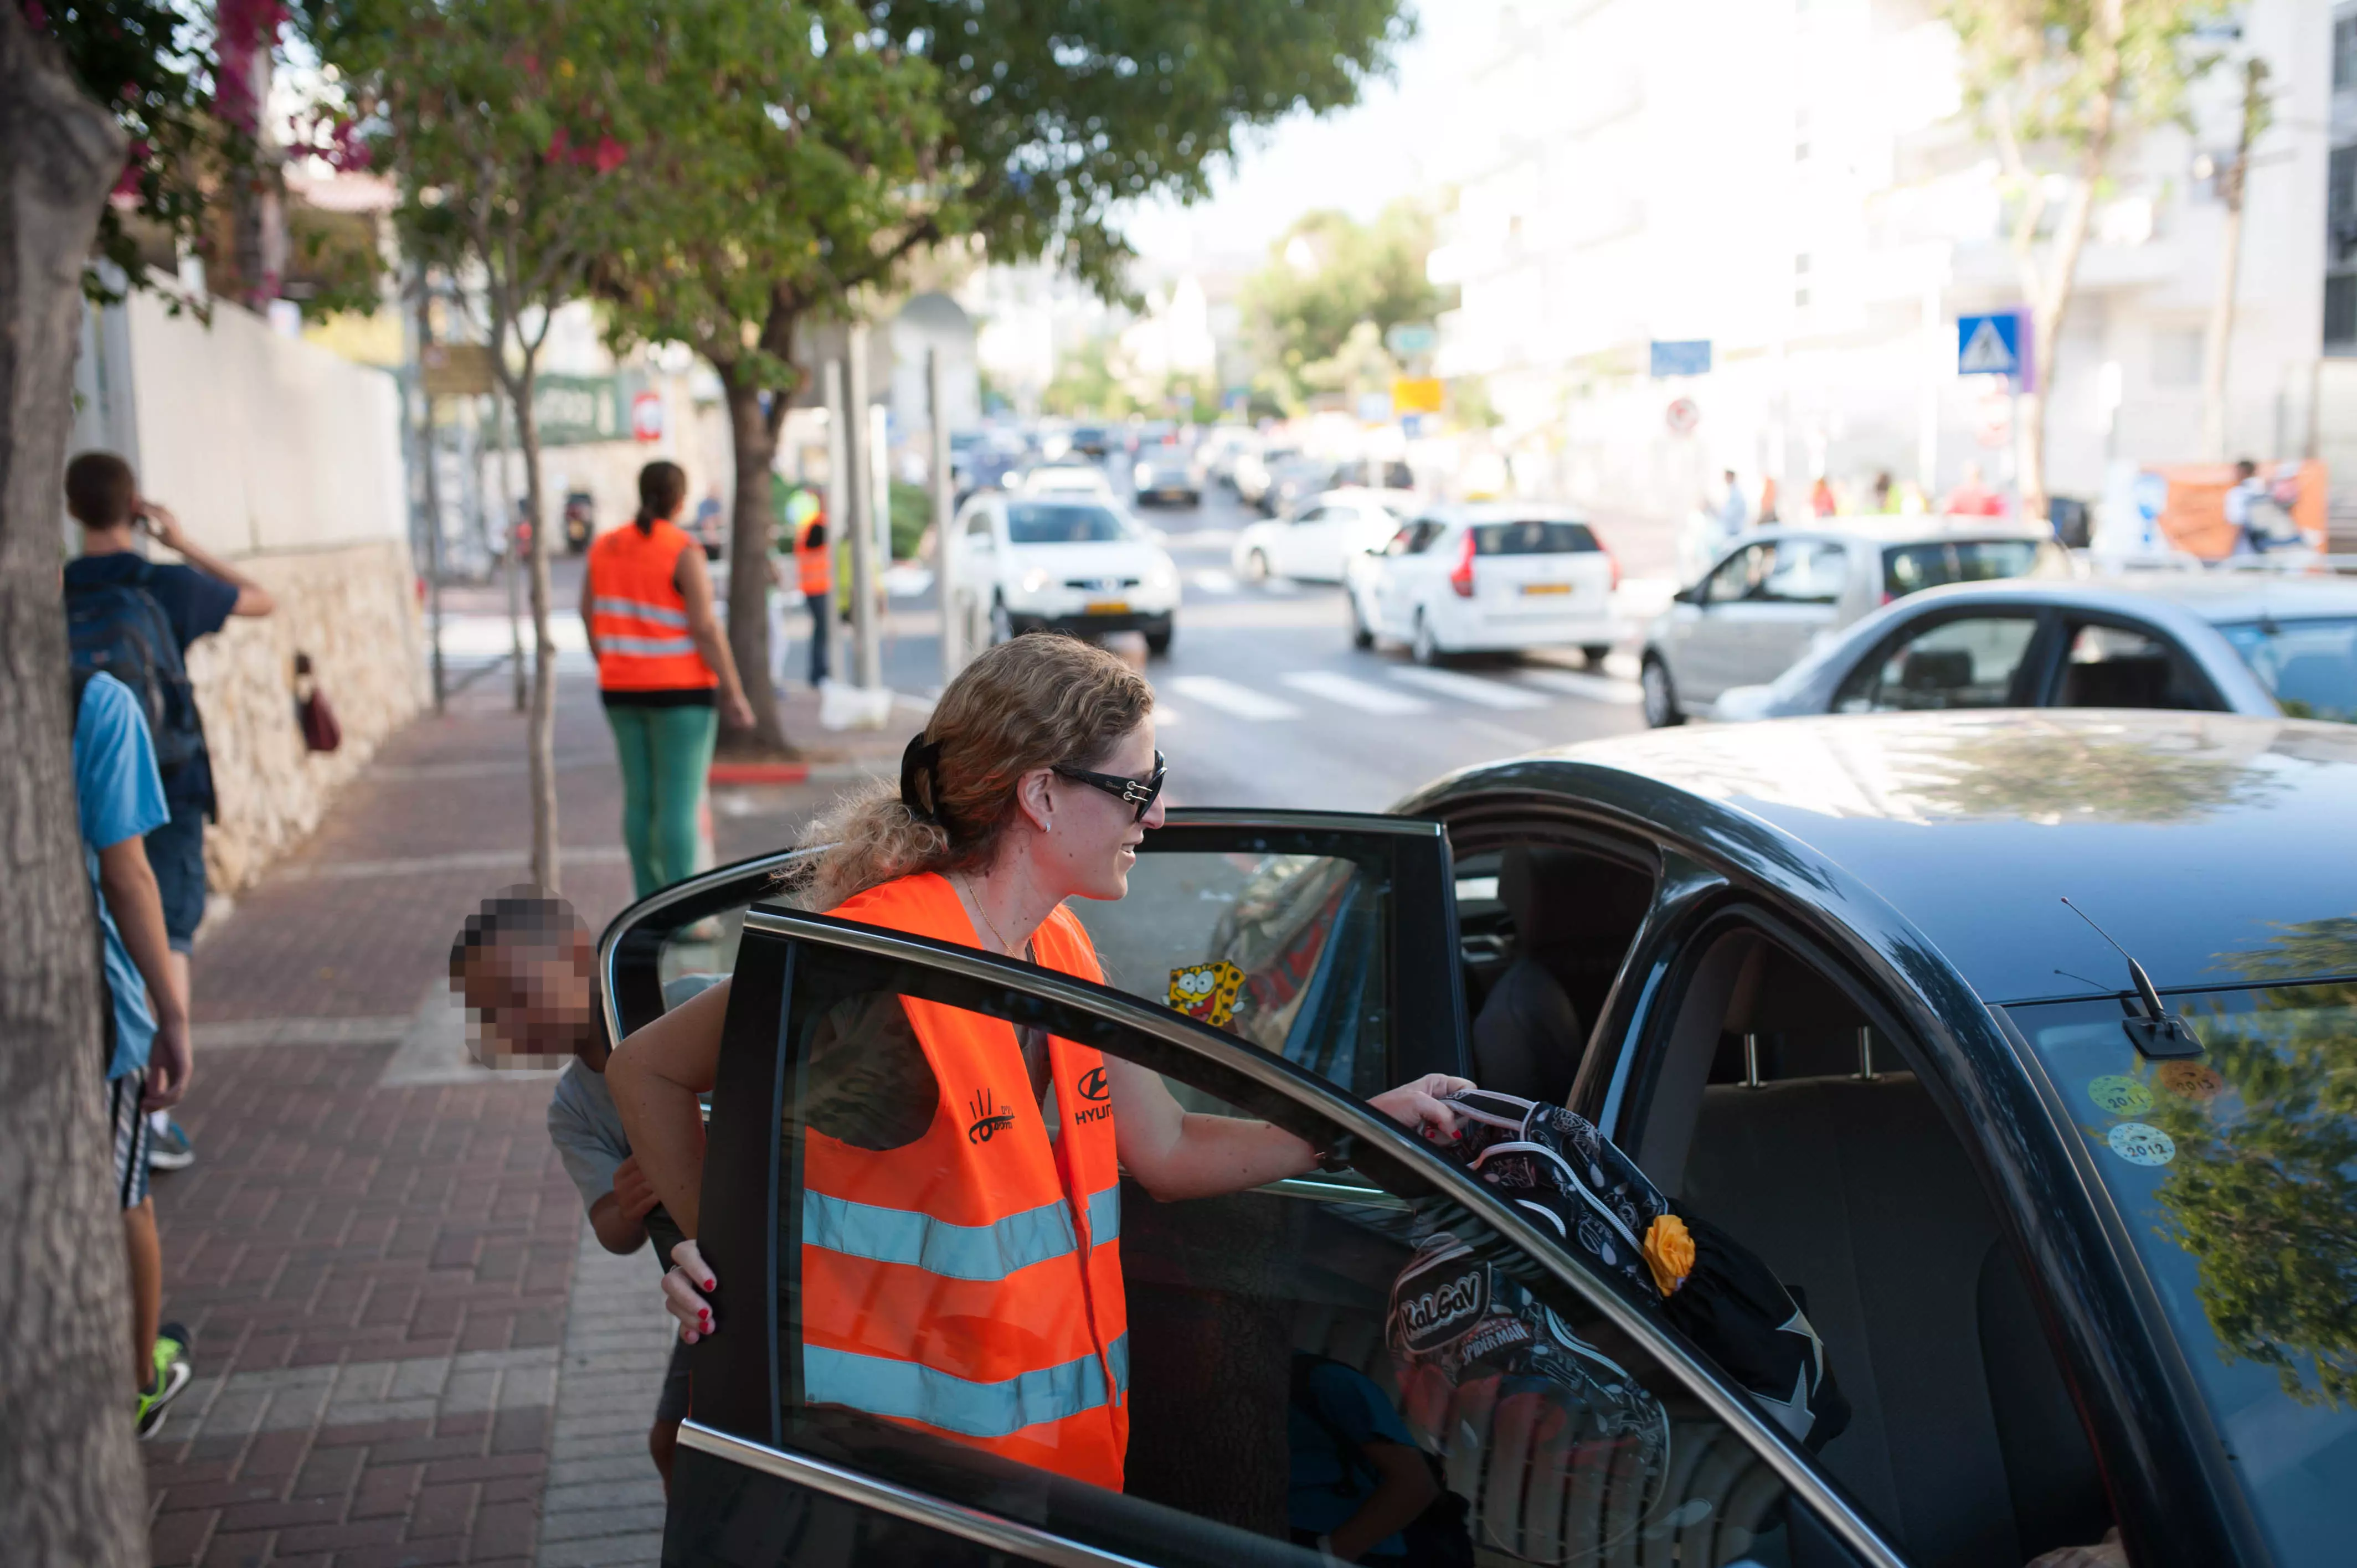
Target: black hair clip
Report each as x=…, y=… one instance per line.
x=924, y=756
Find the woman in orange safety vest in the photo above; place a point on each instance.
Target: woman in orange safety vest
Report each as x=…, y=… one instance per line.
x=814, y=572
x=662, y=665
x=961, y=1268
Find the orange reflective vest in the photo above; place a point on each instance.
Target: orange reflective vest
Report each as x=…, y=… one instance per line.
x=969, y=1284
x=637, y=615
x=815, y=562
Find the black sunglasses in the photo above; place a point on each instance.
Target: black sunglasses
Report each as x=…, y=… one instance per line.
x=1138, y=792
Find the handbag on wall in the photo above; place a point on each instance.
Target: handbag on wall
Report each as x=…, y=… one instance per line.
x=313, y=711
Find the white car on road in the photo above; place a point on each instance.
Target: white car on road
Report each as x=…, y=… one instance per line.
x=1066, y=562
x=1491, y=576
x=1067, y=478
x=1319, y=542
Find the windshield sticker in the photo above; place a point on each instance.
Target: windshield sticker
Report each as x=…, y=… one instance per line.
x=2120, y=1096
x=2191, y=1080
x=2140, y=1143
x=1207, y=991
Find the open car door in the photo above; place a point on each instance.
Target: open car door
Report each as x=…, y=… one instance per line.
x=1254, y=1326
x=1328, y=938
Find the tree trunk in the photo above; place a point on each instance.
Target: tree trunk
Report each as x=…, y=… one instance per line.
x=540, y=743
x=2219, y=337
x=71, y=1490
x=754, y=439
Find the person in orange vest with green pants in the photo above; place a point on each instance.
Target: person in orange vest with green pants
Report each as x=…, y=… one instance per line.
x=664, y=673
x=1034, y=782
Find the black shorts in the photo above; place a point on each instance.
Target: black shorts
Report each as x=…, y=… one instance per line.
x=177, y=854
x=127, y=1131
x=671, y=1407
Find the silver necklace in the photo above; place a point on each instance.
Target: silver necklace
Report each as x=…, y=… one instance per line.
x=965, y=884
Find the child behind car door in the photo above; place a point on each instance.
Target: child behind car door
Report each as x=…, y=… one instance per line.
x=524, y=968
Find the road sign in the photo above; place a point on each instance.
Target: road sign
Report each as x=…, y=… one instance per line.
x=1995, y=345
x=1409, y=340
x=1682, y=416
x=1416, y=394
x=457, y=369
x=1682, y=356
x=1412, y=425
x=647, y=416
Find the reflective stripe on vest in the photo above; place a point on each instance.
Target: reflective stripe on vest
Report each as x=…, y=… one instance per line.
x=971, y=1285
x=637, y=614
x=909, y=1390
x=991, y=1251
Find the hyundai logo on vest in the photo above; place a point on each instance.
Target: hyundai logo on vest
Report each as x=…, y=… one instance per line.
x=1092, y=1086
x=989, y=1119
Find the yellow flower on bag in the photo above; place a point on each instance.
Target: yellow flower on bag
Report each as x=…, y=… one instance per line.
x=1669, y=1252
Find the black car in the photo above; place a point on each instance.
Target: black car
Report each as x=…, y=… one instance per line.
x=2075, y=1266
x=1092, y=440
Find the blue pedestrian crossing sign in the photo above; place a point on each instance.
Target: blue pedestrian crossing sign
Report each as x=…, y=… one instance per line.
x=1989, y=345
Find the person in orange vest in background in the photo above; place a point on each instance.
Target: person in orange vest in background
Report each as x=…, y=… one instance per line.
x=662, y=666
x=1035, y=781
x=814, y=572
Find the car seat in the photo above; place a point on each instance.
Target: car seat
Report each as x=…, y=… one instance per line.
x=1573, y=914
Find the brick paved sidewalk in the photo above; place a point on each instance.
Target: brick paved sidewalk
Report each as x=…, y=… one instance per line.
x=410, y=1348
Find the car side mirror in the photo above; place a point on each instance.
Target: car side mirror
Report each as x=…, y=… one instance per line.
x=1688, y=596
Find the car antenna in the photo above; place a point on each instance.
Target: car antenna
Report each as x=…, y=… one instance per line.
x=2160, y=1032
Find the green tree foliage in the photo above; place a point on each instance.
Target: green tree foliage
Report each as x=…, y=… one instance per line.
x=2263, y=1193
x=143, y=59
x=1327, y=277
x=2061, y=86
x=505, y=122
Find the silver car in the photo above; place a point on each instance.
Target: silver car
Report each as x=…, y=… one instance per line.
x=1774, y=593
x=2216, y=642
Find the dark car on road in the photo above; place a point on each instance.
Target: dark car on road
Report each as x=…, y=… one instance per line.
x=2076, y=1266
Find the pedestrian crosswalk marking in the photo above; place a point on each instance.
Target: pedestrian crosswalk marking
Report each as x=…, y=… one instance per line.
x=1471, y=689
x=1216, y=582
x=1230, y=698
x=1363, y=695
x=1596, y=688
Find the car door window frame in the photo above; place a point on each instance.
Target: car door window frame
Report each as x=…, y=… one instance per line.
x=744, y=1239
x=630, y=947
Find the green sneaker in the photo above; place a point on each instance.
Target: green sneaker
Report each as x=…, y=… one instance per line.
x=172, y=1374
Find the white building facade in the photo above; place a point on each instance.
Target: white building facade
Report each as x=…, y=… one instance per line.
x=1798, y=182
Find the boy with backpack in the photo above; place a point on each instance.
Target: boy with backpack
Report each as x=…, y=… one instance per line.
x=134, y=618
x=119, y=798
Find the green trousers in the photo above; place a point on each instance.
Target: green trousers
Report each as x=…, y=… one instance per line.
x=665, y=753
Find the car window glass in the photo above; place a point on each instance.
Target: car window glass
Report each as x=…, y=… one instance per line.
x=1279, y=1356
x=1532, y=538
x=1400, y=542
x=1969, y=663
x=2112, y=667
x=1061, y=522
x=1806, y=572
x=1285, y=950
x=1426, y=532
x=979, y=524
x=2309, y=666
x=1911, y=568
x=1740, y=576
x=1314, y=514
x=2235, y=1182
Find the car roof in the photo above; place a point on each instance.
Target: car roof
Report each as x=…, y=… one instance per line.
x=1506, y=512
x=1898, y=529
x=2220, y=598
x=2192, y=837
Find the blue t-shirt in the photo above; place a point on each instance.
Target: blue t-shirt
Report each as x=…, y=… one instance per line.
x=196, y=603
x=119, y=796
x=1323, y=1491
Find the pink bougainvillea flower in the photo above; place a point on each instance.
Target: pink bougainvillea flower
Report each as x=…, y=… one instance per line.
x=610, y=155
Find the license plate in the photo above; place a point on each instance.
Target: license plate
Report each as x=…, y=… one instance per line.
x=1534, y=589
x=1108, y=607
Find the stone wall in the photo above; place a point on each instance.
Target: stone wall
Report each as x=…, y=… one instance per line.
x=353, y=609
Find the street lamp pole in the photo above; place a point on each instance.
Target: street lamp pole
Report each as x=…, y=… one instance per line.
x=857, y=438
x=945, y=505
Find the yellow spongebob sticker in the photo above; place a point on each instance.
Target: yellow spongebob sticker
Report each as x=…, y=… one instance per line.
x=1207, y=991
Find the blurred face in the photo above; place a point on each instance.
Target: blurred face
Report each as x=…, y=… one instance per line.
x=528, y=997
x=1086, y=839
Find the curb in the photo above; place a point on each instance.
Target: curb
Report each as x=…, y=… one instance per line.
x=759, y=773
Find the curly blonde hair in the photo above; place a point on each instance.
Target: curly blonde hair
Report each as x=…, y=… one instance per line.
x=1035, y=702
